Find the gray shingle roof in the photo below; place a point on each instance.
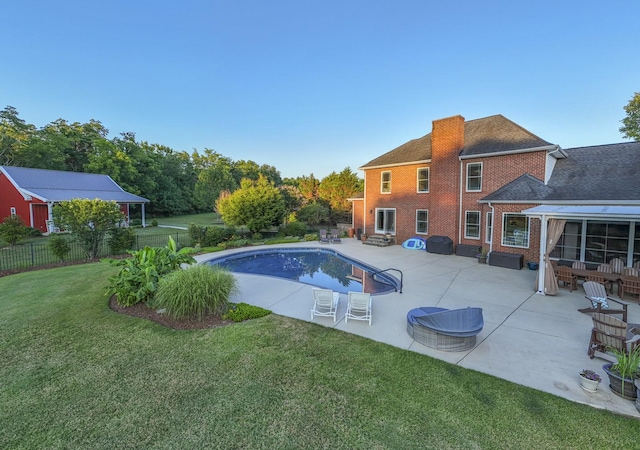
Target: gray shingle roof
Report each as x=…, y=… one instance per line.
x=491, y=134
x=57, y=186
x=603, y=173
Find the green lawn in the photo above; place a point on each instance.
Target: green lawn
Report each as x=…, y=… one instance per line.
x=184, y=221
x=74, y=374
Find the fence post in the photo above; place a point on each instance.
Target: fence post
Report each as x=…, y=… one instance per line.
x=33, y=256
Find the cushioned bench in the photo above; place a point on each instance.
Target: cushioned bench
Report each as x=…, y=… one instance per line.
x=508, y=260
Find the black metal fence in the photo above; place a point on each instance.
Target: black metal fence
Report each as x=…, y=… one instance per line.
x=36, y=255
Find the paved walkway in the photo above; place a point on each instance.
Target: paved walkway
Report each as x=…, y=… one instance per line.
x=529, y=339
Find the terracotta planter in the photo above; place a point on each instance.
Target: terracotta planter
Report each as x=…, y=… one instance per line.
x=351, y=232
x=626, y=390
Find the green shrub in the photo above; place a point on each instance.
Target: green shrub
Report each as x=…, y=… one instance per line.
x=233, y=244
x=256, y=236
x=33, y=232
x=196, y=292
x=59, y=246
x=139, y=275
x=121, y=240
x=135, y=223
x=311, y=237
x=243, y=311
x=196, y=234
x=295, y=229
x=154, y=223
x=13, y=230
x=210, y=236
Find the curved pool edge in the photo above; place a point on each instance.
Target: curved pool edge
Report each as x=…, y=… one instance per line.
x=302, y=246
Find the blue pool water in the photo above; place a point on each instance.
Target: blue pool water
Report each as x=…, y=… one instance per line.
x=318, y=267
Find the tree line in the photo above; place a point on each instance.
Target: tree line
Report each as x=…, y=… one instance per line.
x=175, y=182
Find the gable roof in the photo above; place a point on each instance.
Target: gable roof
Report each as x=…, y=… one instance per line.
x=57, y=186
x=493, y=134
x=588, y=175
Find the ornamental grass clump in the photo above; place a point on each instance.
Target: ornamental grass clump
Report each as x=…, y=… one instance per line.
x=196, y=292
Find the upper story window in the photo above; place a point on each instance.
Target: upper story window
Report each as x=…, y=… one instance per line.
x=423, y=179
x=385, y=182
x=474, y=177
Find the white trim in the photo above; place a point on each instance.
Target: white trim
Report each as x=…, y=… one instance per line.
x=382, y=191
x=384, y=166
x=422, y=232
x=592, y=212
x=466, y=178
x=547, y=148
x=418, y=191
x=479, y=224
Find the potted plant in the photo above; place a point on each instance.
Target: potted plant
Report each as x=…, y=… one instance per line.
x=623, y=373
x=589, y=380
x=482, y=255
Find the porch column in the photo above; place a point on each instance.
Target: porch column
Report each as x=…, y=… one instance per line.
x=144, y=220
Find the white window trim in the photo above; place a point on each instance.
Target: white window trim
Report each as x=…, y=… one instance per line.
x=467, y=177
x=418, y=180
x=466, y=213
x=395, y=221
x=488, y=227
x=422, y=210
x=502, y=238
x=13, y=211
x=382, y=191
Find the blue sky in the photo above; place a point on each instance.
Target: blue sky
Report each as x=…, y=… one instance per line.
x=314, y=87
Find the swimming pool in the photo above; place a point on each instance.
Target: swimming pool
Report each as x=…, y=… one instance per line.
x=323, y=268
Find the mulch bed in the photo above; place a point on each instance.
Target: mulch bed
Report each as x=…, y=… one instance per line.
x=142, y=311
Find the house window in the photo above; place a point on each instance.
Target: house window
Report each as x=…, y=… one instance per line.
x=606, y=240
x=474, y=177
x=515, y=230
x=422, y=221
x=423, y=179
x=472, y=225
x=489, y=228
x=13, y=210
x=386, y=221
x=385, y=183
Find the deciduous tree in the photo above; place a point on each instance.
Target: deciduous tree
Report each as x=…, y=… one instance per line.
x=257, y=205
x=89, y=221
x=631, y=124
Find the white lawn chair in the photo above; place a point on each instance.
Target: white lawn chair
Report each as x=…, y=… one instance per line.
x=325, y=303
x=358, y=307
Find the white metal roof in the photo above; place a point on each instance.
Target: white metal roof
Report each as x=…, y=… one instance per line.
x=608, y=212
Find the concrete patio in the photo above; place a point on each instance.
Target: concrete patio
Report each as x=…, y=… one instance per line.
x=529, y=339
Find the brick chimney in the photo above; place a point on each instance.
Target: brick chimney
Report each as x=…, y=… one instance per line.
x=447, y=140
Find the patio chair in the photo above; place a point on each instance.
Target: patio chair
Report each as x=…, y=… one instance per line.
x=610, y=333
x=579, y=265
x=636, y=265
x=324, y=239
x=617, y=265
x=568, y=279
x=596, y=277
x=325, y=303
x=335, y=237
x=600, y=303
x=358, y=307
x=629, y=285
x=450, y=330
x=630, y=272
x=606, y=268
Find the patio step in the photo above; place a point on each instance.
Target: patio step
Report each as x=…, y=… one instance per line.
x=380, y=240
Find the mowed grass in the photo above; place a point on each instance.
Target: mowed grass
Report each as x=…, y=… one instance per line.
x=74, y=374
x=204, y=219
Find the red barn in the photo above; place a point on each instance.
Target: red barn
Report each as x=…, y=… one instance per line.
x=31, y=193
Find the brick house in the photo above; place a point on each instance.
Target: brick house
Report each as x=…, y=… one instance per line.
x=489, y=182
x=31, y=193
